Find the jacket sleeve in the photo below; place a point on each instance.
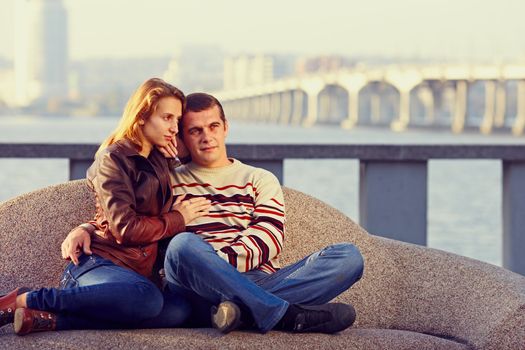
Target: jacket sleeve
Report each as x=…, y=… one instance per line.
x=263, y=239
x=116, y=197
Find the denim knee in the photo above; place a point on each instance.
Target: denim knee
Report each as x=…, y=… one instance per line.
x=185, y=245
x=148, y=302
x=349, y=258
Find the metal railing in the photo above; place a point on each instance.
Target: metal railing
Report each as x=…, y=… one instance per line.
x=393, y=181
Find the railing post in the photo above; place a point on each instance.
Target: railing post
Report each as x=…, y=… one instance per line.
x=78, y=168
x=513, y=216
x=393, y=199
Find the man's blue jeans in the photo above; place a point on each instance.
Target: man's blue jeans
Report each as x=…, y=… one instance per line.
x=194, y=270
x=97, y=294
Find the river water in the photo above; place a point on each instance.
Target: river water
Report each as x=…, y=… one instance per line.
x=464, y=199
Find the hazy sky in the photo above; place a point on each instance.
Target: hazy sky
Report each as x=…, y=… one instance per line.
x=464, y=29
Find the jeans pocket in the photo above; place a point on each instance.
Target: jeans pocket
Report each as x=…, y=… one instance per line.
x=67, y=280
x=73, y=272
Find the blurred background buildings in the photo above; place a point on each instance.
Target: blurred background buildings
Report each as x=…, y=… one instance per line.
x=42, y=78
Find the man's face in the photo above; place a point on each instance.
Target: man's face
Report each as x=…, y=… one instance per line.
x=205, y=137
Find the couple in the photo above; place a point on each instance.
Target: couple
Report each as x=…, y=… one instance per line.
x=220, y=221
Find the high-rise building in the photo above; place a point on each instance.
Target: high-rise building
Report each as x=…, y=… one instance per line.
x=41, y=51
x=251, y=70
x=247, y=70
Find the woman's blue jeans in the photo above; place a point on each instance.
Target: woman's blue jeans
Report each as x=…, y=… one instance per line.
x=97, y=294
x=194, y=269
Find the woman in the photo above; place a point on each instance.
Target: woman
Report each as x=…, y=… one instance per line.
x=134, y=210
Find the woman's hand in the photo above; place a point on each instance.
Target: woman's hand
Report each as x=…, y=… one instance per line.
x=78, y=241
x=170, y=150
x=176, y=148
x=192, y=208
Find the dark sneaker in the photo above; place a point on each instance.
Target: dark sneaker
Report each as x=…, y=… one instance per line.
x=226, y=317
x=28, y=321
x=326, y=318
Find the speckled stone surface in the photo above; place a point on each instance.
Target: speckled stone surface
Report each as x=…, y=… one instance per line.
x=410, y=297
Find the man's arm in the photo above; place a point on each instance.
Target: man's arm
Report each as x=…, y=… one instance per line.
x=263, y=239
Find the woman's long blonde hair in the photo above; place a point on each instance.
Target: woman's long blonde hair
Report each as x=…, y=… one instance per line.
x=141, y=105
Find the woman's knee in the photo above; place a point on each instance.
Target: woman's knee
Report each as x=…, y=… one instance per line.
x=148, y=302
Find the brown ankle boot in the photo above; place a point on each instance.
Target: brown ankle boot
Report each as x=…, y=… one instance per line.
x=8, y=305
x=29, y=320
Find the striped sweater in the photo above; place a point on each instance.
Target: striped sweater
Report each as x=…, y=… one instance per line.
x=245, y=224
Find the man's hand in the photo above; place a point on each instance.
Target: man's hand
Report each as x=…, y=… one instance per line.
x=191, y=209
x=77, y=241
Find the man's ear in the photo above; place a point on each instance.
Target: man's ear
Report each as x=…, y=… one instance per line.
x=226, y=128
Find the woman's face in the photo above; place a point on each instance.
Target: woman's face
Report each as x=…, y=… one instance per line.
x=162, y=126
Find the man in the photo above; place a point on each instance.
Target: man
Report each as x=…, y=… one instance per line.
x=229, y=260
x=231, y=256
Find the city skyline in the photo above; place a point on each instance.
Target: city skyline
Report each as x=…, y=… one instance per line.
x=455, y=30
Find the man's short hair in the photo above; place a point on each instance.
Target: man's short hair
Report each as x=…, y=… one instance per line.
x=200, y=101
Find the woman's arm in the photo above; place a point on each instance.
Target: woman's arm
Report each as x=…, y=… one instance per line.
x=116, y=197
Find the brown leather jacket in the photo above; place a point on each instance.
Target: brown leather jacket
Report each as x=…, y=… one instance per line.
x=133, y=206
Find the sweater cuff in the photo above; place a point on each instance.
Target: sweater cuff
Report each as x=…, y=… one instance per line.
x=89, y=227
x=175, y=222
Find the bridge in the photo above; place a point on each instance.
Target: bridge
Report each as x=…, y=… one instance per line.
x=456, y=97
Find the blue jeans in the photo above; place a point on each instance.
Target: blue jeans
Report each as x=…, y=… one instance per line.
x=97, y=294
x=194, y=270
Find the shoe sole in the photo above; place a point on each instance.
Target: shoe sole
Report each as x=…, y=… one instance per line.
x=226, y=317
x=19, y=321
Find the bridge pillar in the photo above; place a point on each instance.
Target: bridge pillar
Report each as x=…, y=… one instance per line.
x=246, y=113
x=251, y=108
x=267, y=107
x=312, y=87
x=519, y=124
x=404, y=111
x=426, y=95
x=460, y=106
x=286, y=107
x=234, y=107
x=297, y=111
x=353, y=83
x=404, y=82
x=260, y=111
x=375, y=107
x=501, y=104
x=275, y=107
x=254, y=111
x=490, y=102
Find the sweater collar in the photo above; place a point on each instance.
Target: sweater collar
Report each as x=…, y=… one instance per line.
x=233, y=166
